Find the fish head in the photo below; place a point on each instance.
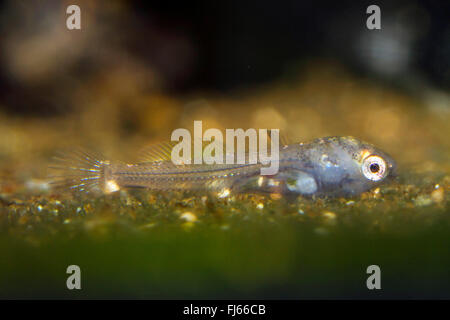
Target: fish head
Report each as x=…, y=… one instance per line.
x=347, y=166
x=373, y=166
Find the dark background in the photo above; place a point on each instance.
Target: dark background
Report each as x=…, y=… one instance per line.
x=224, y=45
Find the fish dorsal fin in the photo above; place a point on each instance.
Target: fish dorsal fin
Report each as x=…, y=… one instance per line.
x=163, y=151
x=157, y=152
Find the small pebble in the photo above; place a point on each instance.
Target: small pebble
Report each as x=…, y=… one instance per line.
x=329, y=215
x=189, y=217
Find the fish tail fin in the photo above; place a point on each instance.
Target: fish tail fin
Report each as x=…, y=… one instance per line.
x=81, y=171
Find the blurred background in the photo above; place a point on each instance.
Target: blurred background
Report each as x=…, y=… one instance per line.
x=138, y=70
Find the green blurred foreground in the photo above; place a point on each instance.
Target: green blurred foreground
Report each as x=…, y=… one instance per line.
x=250, y=246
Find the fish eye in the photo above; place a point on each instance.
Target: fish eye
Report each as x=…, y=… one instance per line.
x=374, y=168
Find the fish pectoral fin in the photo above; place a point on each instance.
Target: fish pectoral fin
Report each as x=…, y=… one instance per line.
x=301, y=182
x=288, y=181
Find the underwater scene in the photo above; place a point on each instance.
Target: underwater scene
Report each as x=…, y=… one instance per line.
x=353, y=107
